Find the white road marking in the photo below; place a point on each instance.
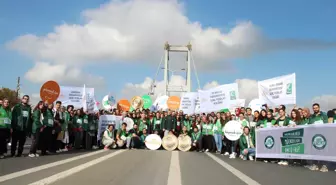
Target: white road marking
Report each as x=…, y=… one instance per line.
x=74, y=170
x=174, y=176
x=46, y=166
x=233, y=170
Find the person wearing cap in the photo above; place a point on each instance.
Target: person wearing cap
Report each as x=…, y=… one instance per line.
x=5, y=124
x=123, y=138
x=108, y=138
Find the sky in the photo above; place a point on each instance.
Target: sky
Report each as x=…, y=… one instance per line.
x=116, y=46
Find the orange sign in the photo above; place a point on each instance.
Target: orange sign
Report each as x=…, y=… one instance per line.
x=173, y=102
x=124, y=105
x=50, y=91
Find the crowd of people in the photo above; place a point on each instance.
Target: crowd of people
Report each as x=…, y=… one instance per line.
x=55, y=128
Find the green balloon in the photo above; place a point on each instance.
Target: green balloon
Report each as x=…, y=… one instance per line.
x=224, y=110
x=147, y=101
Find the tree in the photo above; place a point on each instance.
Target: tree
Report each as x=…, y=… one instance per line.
x=11, y=95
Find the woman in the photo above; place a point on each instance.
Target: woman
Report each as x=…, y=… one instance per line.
x=5, y=125
x=306, y=116
x=108, y=138
x=187, y=122
x=218, y=133
x=295, y=118
x=269, y=121
x=207, y=133
x=48, y=123
x=78, y=125
x=243, y=121
x=196, y=140
x=184, y=131
x=156, y=122
x=262, y=117
x=37, y=129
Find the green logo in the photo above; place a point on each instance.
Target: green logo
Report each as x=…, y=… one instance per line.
x=289, y=88
x=319, y=142
x=269, y=142
x=233, y=95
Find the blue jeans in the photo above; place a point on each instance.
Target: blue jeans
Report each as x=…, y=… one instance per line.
x=250, y=152
x=218, y=140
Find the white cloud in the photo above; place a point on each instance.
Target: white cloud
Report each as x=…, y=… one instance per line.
x=327, y=102
x=210, y=85
x=63, y=74
x=136, y=30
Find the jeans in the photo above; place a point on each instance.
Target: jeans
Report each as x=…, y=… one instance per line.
x=234, y=146
x=218, y=140
x=250, y=152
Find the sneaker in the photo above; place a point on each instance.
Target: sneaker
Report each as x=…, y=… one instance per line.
x=251, y=158
x=37, y=155
x=324, y=168
x=226, y=153
x=313, y=167
x=106, y=148
x=280, y=162
x=2, y=156
x=31, y=155
x=285, y=163
x=65, y=150
x=207, y=150
x=232, y=156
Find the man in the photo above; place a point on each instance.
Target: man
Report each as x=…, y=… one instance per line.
x=169, y=123
x=283, y=120
x=249, y=116
x=247, y=144
x=122, y=137
x=135, y=137
x=108, y=138
x=21, y=120
x=143, y=122
x=5, y=123
x=318, y=117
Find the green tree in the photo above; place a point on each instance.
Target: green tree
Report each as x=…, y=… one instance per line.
x=11, y=95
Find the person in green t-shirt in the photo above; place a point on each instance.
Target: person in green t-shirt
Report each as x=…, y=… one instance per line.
x=269, y=121
x=123, y=138
x=218, y=132
x=5, y=124
x=207, y=133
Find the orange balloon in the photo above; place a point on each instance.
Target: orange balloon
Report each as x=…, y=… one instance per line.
x=173, y=102
x=124, y=105
x=50, y=91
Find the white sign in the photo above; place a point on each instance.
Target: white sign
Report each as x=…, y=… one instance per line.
x=197, y=105
x=129, y=123
x=279, y=90
x=232, y=130
x=188, y=102
x=74, y=96
x=153, y=142
x=217, y=98
x=161, y=103
x=106, y=120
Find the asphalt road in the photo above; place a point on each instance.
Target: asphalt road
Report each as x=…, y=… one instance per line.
x=143, y=167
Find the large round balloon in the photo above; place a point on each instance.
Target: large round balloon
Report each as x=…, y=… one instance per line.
x=147, y=101
x=232, y=130
x=153, y=142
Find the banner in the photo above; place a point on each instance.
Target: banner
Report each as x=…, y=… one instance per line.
x=197, y=104
x=188, y=103
x=105, y=120
x=74, y=96
x=279, y=90
x=310, y=142
x=217, y=98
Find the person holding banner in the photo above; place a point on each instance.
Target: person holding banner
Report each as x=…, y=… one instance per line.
x=306, y=116
x=318, y=117
x=5, y=123
x=269, y=121
x=283, y=120
x=21, y=119
x=37, y=129
x=295, y=118
x=108, y=138
x=247, y=144
x=196, y=140
x=218, y=133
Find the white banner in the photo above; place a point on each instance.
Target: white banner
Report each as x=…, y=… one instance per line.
x=279, y=90
x=74, y=96
x=105, y=120
x=217, y=98
x=188, y=102
x=197, y=104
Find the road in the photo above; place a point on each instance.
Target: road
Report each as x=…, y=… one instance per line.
x=143, y=167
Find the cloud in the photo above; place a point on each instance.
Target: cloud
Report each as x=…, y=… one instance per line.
x=136, y=30
x=63, y=74
x=210, y=85
x=327, y=102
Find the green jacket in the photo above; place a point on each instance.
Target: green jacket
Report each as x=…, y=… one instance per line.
x=5, y=118
x=284, y=122
x=157, y=124
x=21, y=118
x=207, y=129
x=196, y=136
x=217, y=127
x=321, y=118
x=268, y=124
x=93, y=123
x=143, y=124
x=188, y=124
x=78, y=121
x=36, y=120
x=304, y=121
x=66, y=122
x=86, y=122
x=243, y=141
x=48, y=119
